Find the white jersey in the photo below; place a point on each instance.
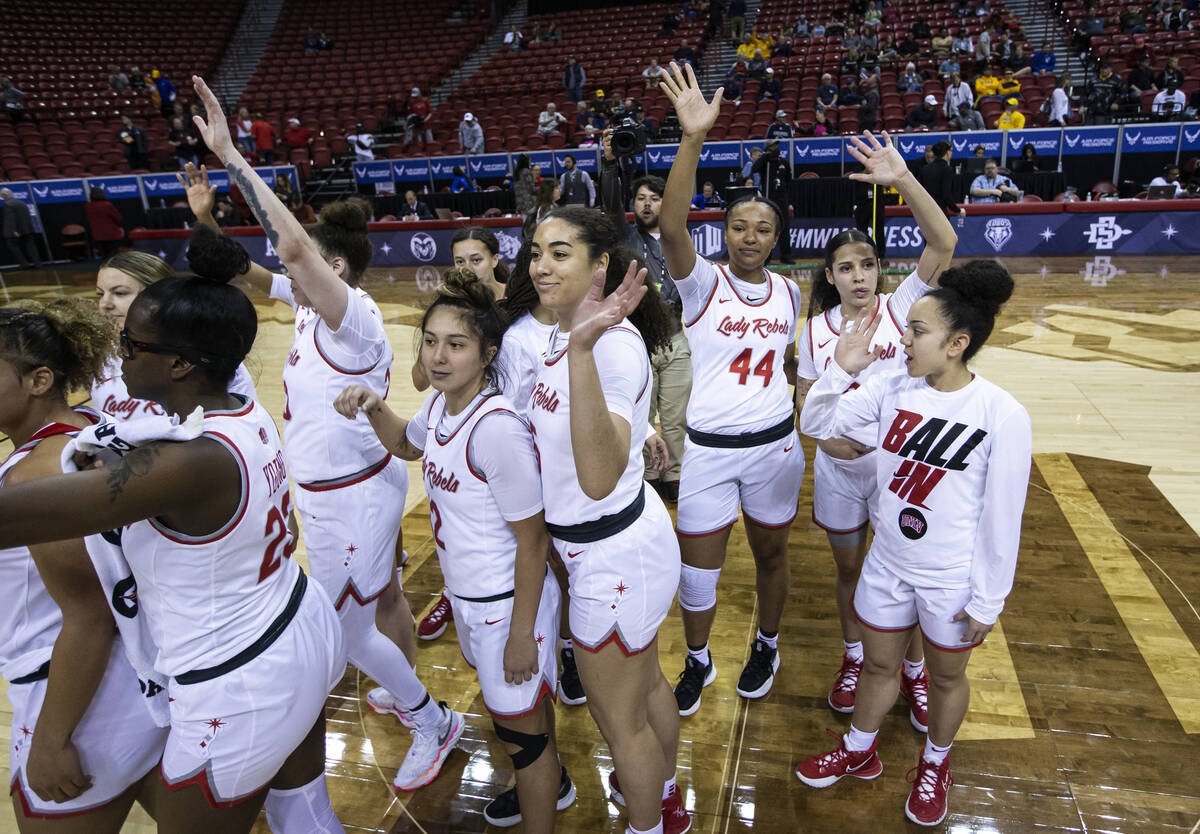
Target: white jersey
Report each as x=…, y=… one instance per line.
x=952, y=470
x=30, y=620
x=110, y=395
x=818, y=339
x=322, y=444
x=624, y=369
x=480, y=473
x=738, y=334
x=520, y=358
x=206, y=598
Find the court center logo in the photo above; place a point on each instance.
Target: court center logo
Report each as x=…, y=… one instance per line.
x=423, y=246
x=998, y=232
x=912, y=523
x=427, y=278
x=1105, y=232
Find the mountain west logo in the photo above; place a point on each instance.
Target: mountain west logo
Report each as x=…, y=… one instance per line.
x=1105, y=232
x=998, y=232
x=424, y=247
x=709, y=239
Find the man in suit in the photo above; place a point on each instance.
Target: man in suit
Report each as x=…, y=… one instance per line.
x=17, y=225
x=414, y=209
x=576, y=185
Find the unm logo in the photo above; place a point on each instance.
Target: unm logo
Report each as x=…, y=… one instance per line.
x=1105, y=232
x=424, y=247
x=998, y=232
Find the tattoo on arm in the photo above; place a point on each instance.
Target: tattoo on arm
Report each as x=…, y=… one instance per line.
x=243, y=181
x=135, y=464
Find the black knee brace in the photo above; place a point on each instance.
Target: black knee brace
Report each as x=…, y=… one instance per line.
x=531, y=745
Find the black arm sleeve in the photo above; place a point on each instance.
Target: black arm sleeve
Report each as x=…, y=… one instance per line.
x=612, y=195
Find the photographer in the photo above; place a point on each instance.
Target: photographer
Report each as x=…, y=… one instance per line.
x=776, y=173
x=672, y=365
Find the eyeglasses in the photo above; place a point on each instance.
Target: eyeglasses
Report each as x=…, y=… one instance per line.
x=129, y=346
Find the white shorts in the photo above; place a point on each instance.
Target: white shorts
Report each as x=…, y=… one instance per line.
x=350, y=532
x=622, y=587
x=230, y=735
x=482, y=639
x=885, y=602
x=117, y=740
x=764, y=479
x=842, y=491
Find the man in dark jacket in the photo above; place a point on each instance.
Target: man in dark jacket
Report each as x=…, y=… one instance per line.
x=134, y=141
x=414, y=209
x=17, y=226
x=938, y=178
x=924, y=116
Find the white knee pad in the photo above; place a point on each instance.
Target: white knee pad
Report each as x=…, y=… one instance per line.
x=304, y=810
x=698, y=588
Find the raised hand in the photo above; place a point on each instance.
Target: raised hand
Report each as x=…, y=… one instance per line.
x=596, y=313
x=200, y=195
x=354, y=399
x=214, y=131
x=696, y=116
x=884, y=164
x=854, y=352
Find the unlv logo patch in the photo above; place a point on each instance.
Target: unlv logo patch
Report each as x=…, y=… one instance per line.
x=912, y=523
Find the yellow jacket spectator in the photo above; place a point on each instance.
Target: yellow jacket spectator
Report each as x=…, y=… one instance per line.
x=1011, y=118
x=986, y=85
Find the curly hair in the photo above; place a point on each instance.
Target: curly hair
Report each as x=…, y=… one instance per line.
x=67, y=335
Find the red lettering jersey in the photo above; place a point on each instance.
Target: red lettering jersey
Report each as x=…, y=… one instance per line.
x=952, y=470
x=738, y=333
x=112, y=397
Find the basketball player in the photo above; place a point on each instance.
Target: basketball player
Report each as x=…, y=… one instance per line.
x=349, y=489
x=844, y=471
x=589, y=411
x=485, y=505
x=742, y=448
x=84, y=744
x=118, y=281
x=202, y=526
x=952, y=470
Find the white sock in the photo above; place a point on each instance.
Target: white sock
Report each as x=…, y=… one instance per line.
x=304, y=810
x=772, y=641
x=668, y=786
x=854, y=651
x=658, y=829
x=913, y=668
x=858, y=741
x=376, y=655
x=428, y=714
x=935, y=754
x=701, y=655
x=566, y=643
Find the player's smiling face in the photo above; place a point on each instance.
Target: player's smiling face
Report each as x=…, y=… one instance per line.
x=751, y=232
x=451, y=356
x=855, y=273
x=929, y=346
x=560, y=267
x=115, y=291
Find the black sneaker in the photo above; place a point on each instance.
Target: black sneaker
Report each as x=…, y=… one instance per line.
x=505, y=810
x=670, y=492
x=692, y=681
x=570, y=688
x=760, y=670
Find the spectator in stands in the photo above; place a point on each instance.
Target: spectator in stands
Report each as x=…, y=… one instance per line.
x=600, y=107
x=553, y=32
x=670, y=23
x=870, y=41
x=1009, y=86
x=779, y=129
x=16, y=225
x=757, y=66
x=887, y=50
x=226, y=215
x=652, y=74
x=296, y=135
x=983, y=46
x=1140, y=80
x=1103, y=96
x=1043, y=60
x=1169, y=103
x=836, y=27
x=922, y=117
x=992, y=187
x=942, y=44
x=782, y=44
x=908, y=47
x=184, y=142
x=962, y=44
x=746, y=48
x=1091, y=25
x=166, y=92
x=460, y=183
x=573, y=79
x=818, y=30
x=264, y=138
x=414, y=209
x=576, y=186
x=920, y=30
x=1175, y=18
x=986, y=84
x=748, y=172
x=1133, y=22
x=851, y=40
x=737, y=20
x=733, y=87
x=1060, y=102
x=583, y=118
x=242, y=125
x=1171, y=74
x=821, y=125
x=685, y=54
x=1019, y=62
x=105, y=223
x=967, y=118
x=550, y=119
x=362, y=143
x=873, y=16
x=938, y=178
x=324, y=42
x=419, y=109
x=1029, y=162
x=13, y=98
x=849, y=95
x=771, y=87
x=762, y=43
x=514, y=41
x=537, y=35
x=708, y=198
x=1001, y=47
x=470, y=134
x=910, y=81
x=868, y=110
x=137, y=80
x=851, y=62
x=311, y=42
x=949, y=67
x=1011, y=118
x=287, y=195
x=827, y=93
x=523, y=186
x=978, y=161
x=1169, y=176
x=118, y=80
x=134, y=143
x=250, y=156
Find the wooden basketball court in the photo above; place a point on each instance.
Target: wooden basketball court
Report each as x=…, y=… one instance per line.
x=1085, y=710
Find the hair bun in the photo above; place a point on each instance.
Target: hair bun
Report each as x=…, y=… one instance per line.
x=983, y=284
x=216, y=257
x=350, y=214
x=463, y=283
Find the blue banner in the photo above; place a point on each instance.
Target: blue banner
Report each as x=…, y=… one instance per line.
x=965, y=143
x=585, y=160
x=1150, y=139
x=1045, y=142
x=809, y=235
x=748, y=146
x=721, y=155
x=913, y=145
x=1083, y=140
x=117, y=188
x=161, y=185
x=543, y=158
x=823, y=151
x=372, y=172
x=58, y=191
x=410, y=170
x=659, y=157
x=491, y=166
x=443, y=166
x=1191, y=137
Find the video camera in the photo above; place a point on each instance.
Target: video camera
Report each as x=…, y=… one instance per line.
x=629, y=137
